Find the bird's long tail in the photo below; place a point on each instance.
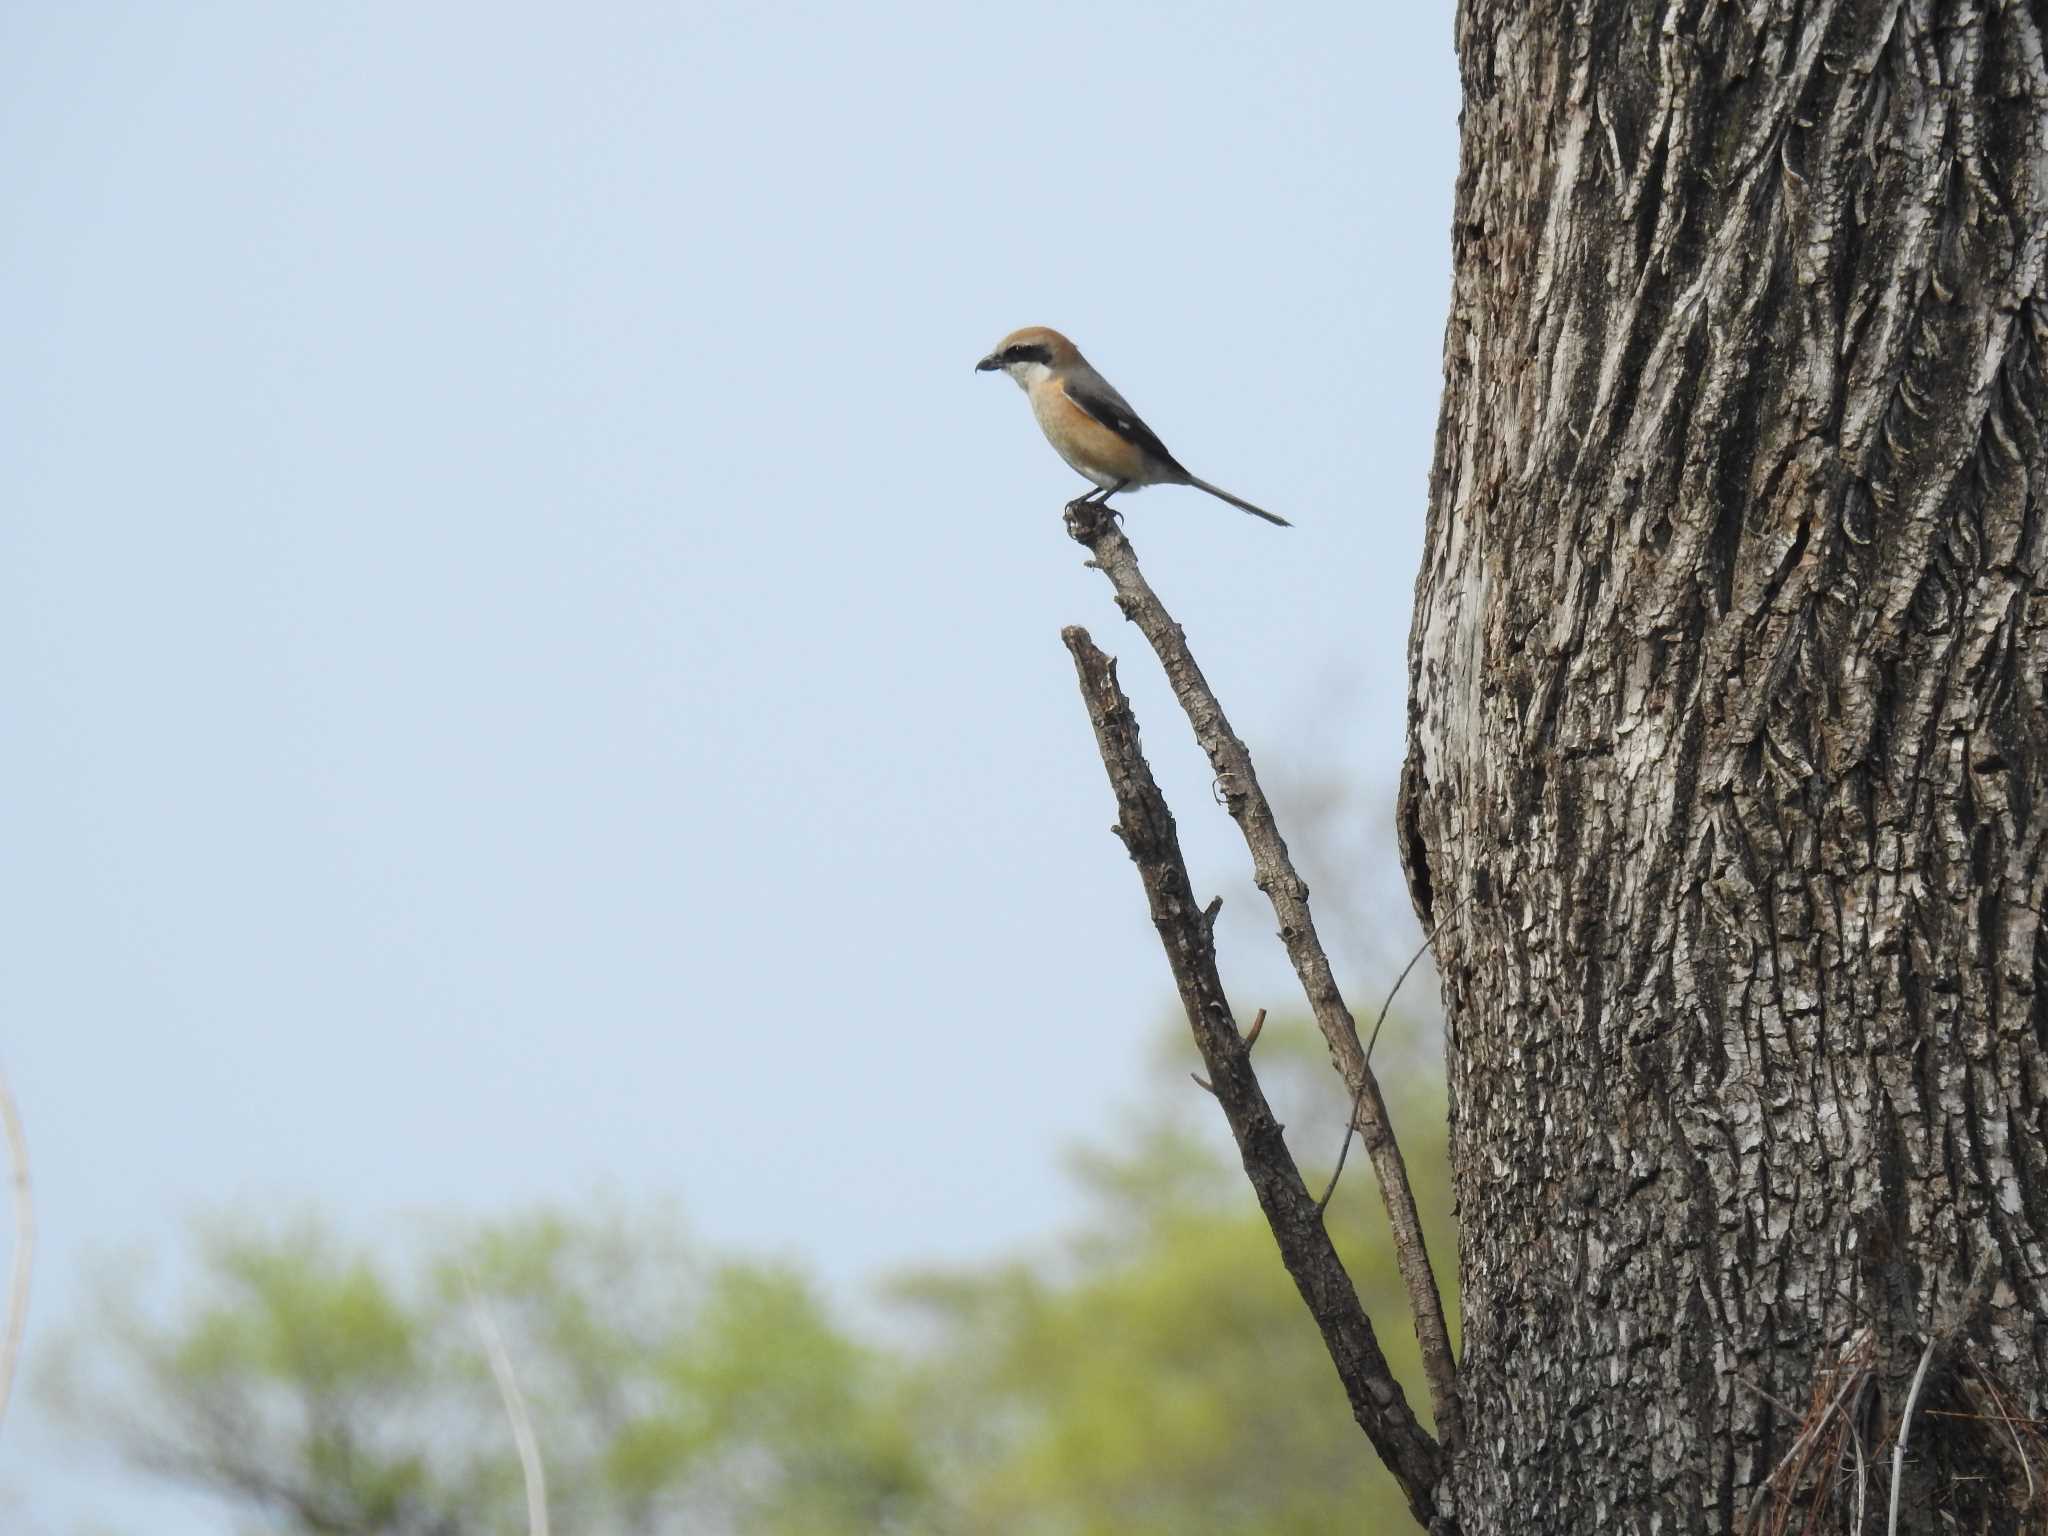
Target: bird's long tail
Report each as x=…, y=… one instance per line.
x=1237, y=501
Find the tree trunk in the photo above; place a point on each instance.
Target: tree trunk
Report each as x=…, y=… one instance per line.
x=1727, y=763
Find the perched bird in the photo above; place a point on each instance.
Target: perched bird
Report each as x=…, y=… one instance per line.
x=1090, y=425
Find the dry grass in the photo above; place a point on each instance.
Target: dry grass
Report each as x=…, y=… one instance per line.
x=1833, y=1479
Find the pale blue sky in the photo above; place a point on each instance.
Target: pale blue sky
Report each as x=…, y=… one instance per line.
x=531, y=659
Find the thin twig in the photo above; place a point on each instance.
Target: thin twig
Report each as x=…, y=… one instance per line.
x=1414, y=960
x=1776, y=1402
x=1983, y=1418
x=24, y=1243
x=1336, y=1173
x=1862, y=1467
x=1905, y=1429
x=1146, y=826
x=2011, y=1428
x=1274, y=874
x=1351, y=1123
x=530, y=1468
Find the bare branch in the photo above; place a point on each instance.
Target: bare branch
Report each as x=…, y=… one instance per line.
x=1146, y=826
x=24, y=1243
x=1274, y=874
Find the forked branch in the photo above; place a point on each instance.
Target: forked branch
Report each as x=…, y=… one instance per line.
x=1274, y=873
x=1147, y=828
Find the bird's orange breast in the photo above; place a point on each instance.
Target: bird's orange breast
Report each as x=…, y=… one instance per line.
x=1084, y=442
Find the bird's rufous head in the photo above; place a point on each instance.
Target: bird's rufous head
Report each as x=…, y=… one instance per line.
x=1026, y=353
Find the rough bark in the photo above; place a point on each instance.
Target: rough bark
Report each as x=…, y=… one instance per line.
x=1728, y=730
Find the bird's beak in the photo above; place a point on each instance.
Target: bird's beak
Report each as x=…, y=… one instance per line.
x=988, y=364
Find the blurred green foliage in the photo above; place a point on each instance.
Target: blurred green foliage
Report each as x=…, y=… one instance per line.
x=1154, y=1372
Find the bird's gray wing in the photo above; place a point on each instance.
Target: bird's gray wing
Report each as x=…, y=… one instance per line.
x=1095, y=396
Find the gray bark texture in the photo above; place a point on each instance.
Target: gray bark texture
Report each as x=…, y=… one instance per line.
x=1727, y=760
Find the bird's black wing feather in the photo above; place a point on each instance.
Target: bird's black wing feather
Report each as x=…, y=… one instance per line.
x=1115, y=413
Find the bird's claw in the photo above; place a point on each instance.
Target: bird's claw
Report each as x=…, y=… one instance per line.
x=1091, y=507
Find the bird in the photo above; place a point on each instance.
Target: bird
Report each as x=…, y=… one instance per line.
x=1089, y=424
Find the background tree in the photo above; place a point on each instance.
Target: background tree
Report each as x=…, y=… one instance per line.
x=322, y=1390
x=1152, y=1370
x=1728, y=759
x=1164, y=1377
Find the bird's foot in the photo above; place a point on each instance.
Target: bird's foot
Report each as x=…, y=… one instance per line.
x=1088, y=520
x=1091, y=507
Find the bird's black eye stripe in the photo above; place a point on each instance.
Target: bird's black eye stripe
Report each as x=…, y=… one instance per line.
x=1028, y=354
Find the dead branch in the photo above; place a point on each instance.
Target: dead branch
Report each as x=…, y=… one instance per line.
x=1146, y=826
x=1274, y=874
